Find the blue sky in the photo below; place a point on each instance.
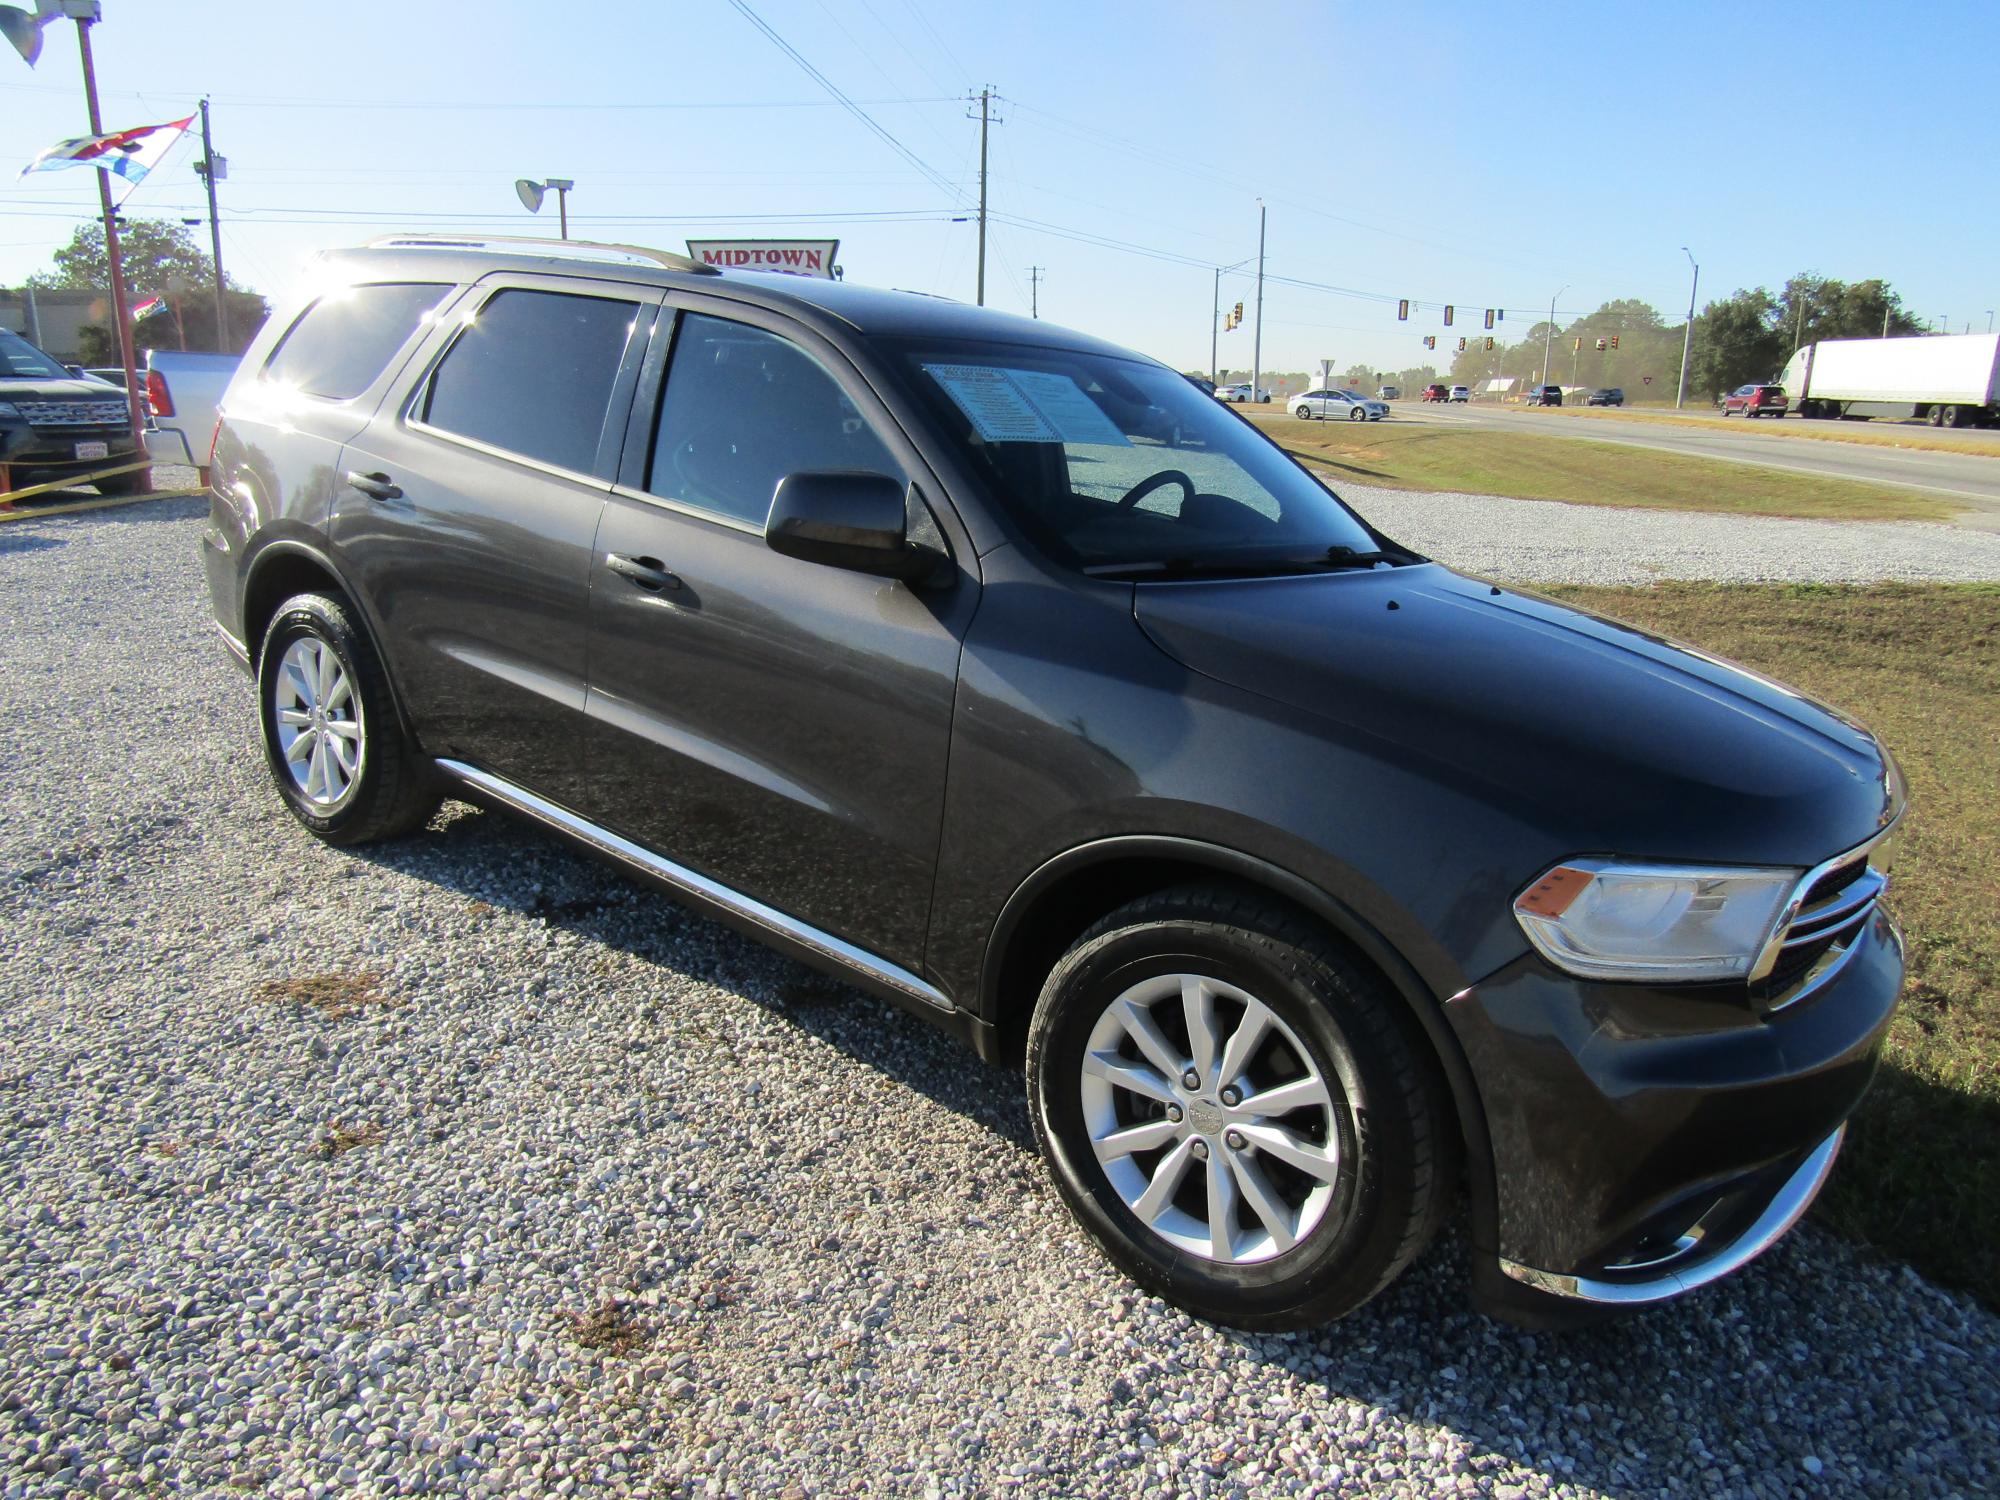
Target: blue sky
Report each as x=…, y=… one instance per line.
x=1484, y=156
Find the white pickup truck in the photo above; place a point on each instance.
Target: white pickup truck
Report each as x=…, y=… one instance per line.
x=183, y=390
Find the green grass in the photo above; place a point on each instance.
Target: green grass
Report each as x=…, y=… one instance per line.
x=1920, y=664
x=1533, y=466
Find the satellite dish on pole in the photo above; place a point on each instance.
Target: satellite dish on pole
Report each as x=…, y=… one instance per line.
x=531, y=193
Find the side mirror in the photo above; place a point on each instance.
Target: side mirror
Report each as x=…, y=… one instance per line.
x=77, y=370
x=845, y=520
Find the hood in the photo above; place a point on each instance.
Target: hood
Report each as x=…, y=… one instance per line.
x=48, y=388
x=1616, y=741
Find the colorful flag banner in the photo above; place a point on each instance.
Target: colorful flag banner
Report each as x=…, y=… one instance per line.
x=131, y=154
x=151, y=304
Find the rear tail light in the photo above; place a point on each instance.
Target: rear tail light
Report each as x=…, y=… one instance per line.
x=156, y=394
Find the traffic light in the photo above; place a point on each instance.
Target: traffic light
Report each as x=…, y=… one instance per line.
x=1500, y=313
x=1489, y=320
x=1447, y=315
x=1614, y=341
x=1461, y=346
x=1489, y=343
x=1403, y=310
x=1600, y=346
x=1430, y=341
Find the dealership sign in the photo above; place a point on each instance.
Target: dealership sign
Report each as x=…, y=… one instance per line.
x=794, y=257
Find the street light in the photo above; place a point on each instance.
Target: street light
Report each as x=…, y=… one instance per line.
x=24, y=31
x=1549, y=338
x=1687, y=335
x=532, y=192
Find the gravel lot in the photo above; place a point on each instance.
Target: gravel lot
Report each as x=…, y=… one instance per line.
x=350, y=1239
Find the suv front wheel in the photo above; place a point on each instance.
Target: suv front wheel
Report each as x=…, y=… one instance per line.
x=331, y=735
x=1236, y=1111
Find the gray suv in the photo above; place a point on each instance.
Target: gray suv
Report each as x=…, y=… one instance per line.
x=1003, y=673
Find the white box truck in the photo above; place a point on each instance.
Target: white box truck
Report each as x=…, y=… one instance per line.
x=1952, y=379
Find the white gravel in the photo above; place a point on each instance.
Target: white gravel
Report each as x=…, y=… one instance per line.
x=835, y=1246
x=1542, y=541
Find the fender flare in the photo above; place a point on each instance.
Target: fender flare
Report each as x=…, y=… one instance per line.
x=1424, y=1006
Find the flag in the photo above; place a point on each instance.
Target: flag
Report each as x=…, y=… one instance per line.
x=129, y=153
x=140, y=309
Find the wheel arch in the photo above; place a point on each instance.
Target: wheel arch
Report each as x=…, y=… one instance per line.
x=1070, y=892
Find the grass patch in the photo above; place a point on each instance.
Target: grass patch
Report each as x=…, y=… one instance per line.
x=1866, y=434
x=610, y=1328
x=339, y=1140
x=335, y=996
x=1532, y=466
x=1920, y=664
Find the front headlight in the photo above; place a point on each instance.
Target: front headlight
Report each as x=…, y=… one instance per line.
x=1673, y=923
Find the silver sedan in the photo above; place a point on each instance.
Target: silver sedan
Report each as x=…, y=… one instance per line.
x=1328, y=405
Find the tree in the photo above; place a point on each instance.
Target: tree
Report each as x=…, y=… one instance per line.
x=160, y=259
x=1736, y=341
x=1359, y=378
x=1815, y=307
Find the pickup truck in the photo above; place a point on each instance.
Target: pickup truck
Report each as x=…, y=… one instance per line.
x=54, y=423
x=184, y=390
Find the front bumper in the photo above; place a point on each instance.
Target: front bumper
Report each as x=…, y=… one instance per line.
x=36, y=454
x=1649, y=1141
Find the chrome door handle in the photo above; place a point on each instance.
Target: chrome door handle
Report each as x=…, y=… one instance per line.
x=647, y=572
x=375, y=486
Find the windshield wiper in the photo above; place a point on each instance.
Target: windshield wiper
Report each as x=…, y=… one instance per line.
x=1337, y=556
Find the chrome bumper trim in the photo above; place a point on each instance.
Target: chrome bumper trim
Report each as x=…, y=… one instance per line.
x=236, y=648
x=1784, y=1210
x=636, y=857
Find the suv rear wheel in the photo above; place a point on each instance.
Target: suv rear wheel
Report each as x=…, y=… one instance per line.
x=1236, y=1111
x=331, y=735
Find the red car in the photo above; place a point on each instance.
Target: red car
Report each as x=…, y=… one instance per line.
x=1755, y=401
x=1436, y=393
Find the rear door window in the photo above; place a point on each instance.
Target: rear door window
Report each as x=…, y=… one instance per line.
x=347, y=338
x=532, y=374
x=744, y=408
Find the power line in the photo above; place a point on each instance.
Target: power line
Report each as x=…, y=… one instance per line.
x=511, y=106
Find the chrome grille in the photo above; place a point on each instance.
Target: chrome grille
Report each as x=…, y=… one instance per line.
x=1834, y=908
x=73, y=413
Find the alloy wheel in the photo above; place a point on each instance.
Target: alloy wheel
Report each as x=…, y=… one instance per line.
x=321, y=736
x=1211, y=1119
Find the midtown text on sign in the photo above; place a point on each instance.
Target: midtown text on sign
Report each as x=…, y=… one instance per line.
x=795, y=257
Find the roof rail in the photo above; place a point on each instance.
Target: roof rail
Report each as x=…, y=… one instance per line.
x=558, y=249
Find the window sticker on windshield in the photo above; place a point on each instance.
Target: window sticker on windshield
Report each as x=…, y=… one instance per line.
x=998, y=408
x=1072, y=413
x=1027, y=406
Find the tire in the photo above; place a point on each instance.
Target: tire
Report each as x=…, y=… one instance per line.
x=1357, y=414
x=1935, y=416
x=359, y=778
x=1303, y=413
x=1953, y=416
x=1325, y=1202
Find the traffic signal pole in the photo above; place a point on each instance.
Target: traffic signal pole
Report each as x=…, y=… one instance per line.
x=1214, y=325
x=1257, y=340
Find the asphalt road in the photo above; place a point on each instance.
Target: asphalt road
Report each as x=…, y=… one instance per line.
x=1969, y=479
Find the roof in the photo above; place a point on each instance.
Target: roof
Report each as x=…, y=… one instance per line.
x=871, y=311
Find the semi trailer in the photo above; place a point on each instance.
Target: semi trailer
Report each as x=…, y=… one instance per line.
x=1952, y=380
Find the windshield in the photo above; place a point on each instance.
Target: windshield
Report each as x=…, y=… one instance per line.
x=23, y=361
x=1107, y=461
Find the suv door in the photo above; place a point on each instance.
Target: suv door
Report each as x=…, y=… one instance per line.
x=779, y=726
x=468, y=509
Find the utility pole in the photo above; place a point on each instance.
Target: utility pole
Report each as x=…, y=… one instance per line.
x=121, y=307
x=1035, y=277
x=1885, y=323
x=986, y=97
x=1687, y=336
x=1214, y=324
x=1549, y=337
x=210, y=168
x=1257, y=342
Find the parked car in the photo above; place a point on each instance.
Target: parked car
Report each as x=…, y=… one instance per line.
x=861, y=621
x=1390, y=393
x=1435, y=392
x=1609, y=395
x=183, y=390
x=1461, y=393
x=1343, y=405
x=1755, y=401
x=1546, y=395
x=1241, y=393
x=57, y=425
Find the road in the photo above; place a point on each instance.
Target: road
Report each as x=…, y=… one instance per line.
x=1969, y=479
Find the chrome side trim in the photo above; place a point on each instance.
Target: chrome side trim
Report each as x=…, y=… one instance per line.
x=1784, y=1210
x=1767, y=959
x=236, y=648
x=636, y=857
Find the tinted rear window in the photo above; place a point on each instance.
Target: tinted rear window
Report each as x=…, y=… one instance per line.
x=345, y=339
x=533, y=375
